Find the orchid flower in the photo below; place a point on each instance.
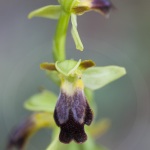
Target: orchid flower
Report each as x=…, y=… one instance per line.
x=21, y=134
x=72, y=110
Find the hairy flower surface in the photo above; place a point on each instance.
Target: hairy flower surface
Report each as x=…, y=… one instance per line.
x=72, y=112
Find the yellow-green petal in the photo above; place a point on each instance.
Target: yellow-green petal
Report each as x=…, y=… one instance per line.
x=86, y=64
x=75, y=33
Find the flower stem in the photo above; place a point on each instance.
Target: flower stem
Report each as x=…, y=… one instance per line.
x=59, y=42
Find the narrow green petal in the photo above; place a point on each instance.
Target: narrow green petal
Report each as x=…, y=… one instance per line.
x=48, y=66
x=86, y=64
x=97, y=77
x=67, y=67
x=50, y=12
x=75, y=33
x=44, y=101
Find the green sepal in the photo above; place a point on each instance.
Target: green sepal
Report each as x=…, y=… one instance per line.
x=97, y=77
x=50, y=12
x=75, y=33
x=67, y=67
x=44, y=101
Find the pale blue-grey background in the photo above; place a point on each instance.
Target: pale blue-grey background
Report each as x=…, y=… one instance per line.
x=123, y=39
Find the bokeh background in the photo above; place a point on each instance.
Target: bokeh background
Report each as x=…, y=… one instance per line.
x=123, y=39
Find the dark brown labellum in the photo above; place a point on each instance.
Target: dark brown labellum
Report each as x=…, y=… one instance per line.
x=71, y=113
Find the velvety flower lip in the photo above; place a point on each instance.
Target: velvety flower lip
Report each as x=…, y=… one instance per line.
x=72, y=112
x=102, y=6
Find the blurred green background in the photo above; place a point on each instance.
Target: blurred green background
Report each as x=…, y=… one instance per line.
x=123, y=39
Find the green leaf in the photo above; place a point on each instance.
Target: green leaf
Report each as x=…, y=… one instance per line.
x=44, y=101
x=50, y=12
x=75, y=33
x=97, y=77
x=67, y=67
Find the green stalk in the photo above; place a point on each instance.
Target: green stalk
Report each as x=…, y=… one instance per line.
x=59, y=42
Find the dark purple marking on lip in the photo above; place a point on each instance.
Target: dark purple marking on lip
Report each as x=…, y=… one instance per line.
x=72, y=130
x=77, y=113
